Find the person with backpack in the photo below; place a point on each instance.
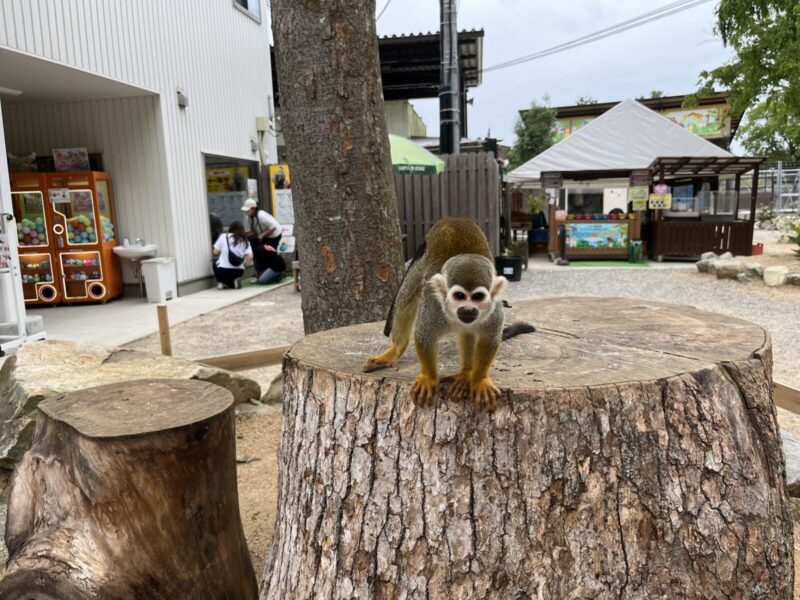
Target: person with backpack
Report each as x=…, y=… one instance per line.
x=233, y=253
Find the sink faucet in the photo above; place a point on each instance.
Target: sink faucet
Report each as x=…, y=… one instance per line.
x=138, y=242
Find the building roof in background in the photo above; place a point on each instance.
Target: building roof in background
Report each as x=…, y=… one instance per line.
x=411, y=64
x=628, y=136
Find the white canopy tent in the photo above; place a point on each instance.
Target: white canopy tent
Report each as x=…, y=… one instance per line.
x=629, y=136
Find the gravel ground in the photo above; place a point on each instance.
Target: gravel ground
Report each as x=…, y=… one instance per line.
x=775, y=309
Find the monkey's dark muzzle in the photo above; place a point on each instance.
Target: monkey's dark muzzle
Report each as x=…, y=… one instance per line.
x=467, y=315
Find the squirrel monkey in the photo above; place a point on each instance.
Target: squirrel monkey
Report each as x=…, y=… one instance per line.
x=452, y=287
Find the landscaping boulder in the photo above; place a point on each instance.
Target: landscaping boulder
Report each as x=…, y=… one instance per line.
x=775, y=276
x=728, y=269
x=704, y=264
x=793, y=279
x=40, y=370
x=791, y=451
x=745, y=277
x=709, y=256
x=725, y=256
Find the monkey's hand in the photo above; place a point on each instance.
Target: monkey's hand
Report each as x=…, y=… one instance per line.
x=460, y=386
x=484, y=394
x=424, y=390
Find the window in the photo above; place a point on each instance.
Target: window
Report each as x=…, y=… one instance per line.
x=251, y=7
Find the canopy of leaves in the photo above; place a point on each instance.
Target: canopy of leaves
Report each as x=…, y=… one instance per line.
x=764, y=73
x=585, y=100
x=535, y=130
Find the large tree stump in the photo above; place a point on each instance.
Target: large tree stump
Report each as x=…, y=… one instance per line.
x=129, y=492
x=634, y=454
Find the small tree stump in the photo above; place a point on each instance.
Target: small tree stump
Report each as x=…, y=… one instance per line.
x=129, y=491
x=634, y=454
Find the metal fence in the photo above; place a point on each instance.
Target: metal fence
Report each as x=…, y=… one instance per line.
x=469, y=187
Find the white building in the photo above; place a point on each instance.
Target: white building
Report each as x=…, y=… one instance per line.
x=106, y=75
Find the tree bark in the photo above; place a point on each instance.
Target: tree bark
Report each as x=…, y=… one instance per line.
x=129, y=492
x=634, y=454
x=347, y=229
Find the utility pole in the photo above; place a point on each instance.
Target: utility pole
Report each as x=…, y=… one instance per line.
x=449, y=88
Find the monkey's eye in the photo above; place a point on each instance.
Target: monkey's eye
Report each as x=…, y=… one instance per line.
x=478, y=296
x=459, y=296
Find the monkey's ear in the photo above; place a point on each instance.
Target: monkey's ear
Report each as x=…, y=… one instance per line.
x=498, y=285
x=439, y=285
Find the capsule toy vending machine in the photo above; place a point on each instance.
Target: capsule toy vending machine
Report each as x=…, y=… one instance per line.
x=84, y=234
x=35, y=239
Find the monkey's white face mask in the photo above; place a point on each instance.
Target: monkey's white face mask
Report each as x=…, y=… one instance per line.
x=466, y=308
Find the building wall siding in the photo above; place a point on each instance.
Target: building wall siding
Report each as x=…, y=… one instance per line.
x=129, y=134
x=217, y=55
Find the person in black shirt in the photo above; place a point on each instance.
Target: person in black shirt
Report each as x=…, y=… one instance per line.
x=274, y=267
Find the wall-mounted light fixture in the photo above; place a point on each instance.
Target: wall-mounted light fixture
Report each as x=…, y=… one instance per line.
x=253, y=145
x=9, y=92
x=183, y=99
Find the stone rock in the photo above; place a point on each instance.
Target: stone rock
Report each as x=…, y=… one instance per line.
x=753, y=270
x=745, y=277
x=704, y=265
x=726, y=256
x=791, y=451
x=775, y=276
x=40, y=370
x=793, y=279
x=274, y=394
x=728, y=269
x=708, y=256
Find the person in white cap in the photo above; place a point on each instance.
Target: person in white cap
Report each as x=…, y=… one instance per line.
x=264, y=230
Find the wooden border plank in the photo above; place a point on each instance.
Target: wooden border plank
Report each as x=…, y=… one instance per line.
x=244, y=361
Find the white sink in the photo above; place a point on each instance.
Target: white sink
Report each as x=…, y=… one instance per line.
x=136, y=252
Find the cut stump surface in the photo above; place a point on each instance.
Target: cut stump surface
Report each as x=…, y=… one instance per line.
x=634, y=453
x=129, y=491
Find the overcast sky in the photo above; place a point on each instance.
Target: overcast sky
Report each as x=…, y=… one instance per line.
x=665, y=55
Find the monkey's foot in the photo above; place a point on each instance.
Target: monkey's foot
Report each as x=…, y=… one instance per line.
x=381, y=361
x=460, y=385
x=484, y=394
x=424, y=390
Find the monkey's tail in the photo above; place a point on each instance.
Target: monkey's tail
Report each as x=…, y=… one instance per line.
x=387, y=329
x=516, y=329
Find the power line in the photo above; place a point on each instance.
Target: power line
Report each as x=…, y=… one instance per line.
x=383, y=10
x=648, y=17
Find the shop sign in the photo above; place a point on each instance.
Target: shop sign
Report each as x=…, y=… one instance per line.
x=661, y=201
x=58, y=195
x=596, y=235
x=637, y=196
x=551, y=179
x=661, y=188
x=639, y=178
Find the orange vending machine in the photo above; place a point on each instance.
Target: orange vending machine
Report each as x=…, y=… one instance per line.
x=66, y=247
x=37, y=256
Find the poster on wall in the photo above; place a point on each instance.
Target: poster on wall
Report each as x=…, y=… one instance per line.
x=638, y=197
x=228, y=179
x=615, y=198
x=287, y=230
x=597, y=235
x=252, y=189
x=71, y=159
x=660, y=201
x=282, y=207
x=286, y=245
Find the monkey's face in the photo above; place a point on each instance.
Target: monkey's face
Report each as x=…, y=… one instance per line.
x=464, y=306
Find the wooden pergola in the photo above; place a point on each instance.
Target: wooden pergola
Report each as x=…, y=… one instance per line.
x=691, y=238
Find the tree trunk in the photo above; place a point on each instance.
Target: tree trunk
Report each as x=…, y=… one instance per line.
x=347, y=228
x=129, y=492
x=634, y=454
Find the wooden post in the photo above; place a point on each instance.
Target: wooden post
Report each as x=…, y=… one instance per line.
x=634, y=453
x=163, y=329
x=129, y=491
x=753, y=201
